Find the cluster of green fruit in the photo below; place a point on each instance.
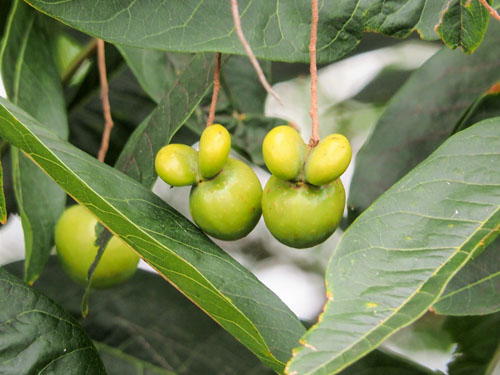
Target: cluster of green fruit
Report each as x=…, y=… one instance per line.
x=302, y=203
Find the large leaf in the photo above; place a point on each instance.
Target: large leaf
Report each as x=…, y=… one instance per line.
x=38, y=336
x=463, y=24
x=182, y=98
x=478, y=349
x=394, y=261
x=207, y=275
x=146, y=321
x=423, y=114
x=31, y=81
x=277, y=30
x=475, y=289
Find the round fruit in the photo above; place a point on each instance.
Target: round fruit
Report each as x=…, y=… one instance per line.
x=228, y=206
x=215, y=145
x=328, y=160
x=177, y=165
x=301, y=215
x=75, y=243
x=283, y=150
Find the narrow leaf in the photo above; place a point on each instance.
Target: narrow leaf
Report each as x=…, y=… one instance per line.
x=277, y=30
x=3, y=204
x=475, y=289
x=182, y=254
x=38, y=336
x=478, y=349
x=463, y=24
x=31, y=81
x=394, y=261
x=423, y=114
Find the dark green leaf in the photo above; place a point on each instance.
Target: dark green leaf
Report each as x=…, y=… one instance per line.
x=463, y=24
x=430, y=19
x=3, y=204
x=213, y=280
x=155, y=70
x=277, y=30
x=475, y=289
x=31, y=81
x=148, y=323
x=39, y=337
x=421, y=116
x=478, y=341
x=393, y=262
x=137, y=157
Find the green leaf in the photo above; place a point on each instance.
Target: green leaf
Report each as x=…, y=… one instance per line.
x=430, y=19
x=207, y=275
x=155, y=70
x=38, y=336
x=475, y=288
x=394, y=261
x=31, y=81
x=463, y=24
x=177, y=105
x=3, y=204
x=147, y=323
x=478, y=350
x=423, y=114
x=277, y=30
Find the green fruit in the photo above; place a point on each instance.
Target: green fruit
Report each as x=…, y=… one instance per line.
x=283, y=150
x=177, y=165
x=302, y=215
x=328, y=160
x=215, y=145
x=228, y=206
x=75, y=243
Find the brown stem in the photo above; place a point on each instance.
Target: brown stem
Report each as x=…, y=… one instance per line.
x=215, y=92
x=314, y=140
x=249, y=52
x=492, y=10
x=106, y=108
x=88, y=50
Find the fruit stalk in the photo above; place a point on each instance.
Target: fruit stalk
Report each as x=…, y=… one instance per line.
x=106, y=107
x=215, y=93
x=314, y=140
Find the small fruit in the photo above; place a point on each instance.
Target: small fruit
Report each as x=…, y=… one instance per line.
x=328, y=160
x=301, y=215
x=283, y=150
x=227, y=206
x=215, y=145
x=75, y=243
x=177, y=164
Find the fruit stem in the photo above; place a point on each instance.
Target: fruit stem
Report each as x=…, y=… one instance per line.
x=248, y=50
x=490, y=9
x=106, y=107
x=314, y=140
x=215, y=92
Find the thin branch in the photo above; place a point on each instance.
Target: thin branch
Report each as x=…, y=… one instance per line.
x=88, y=50
x=314, y=140
x=215, y=93
x=248, y=50
x=490, y=9
x=106, y=108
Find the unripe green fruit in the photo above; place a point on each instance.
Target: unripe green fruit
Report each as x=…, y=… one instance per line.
x=328, y=160
x=177, y=164
x=283, y=150
x=228, y=206
x=75, y=243
x=215, y=145
x=301, y=215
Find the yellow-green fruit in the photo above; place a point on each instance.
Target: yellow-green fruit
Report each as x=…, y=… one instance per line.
x=283, y=150
x=215, y=145
x=75, y=243
x=228, y=206
x=177, y=165
x=328, y=160
x=301, y=215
